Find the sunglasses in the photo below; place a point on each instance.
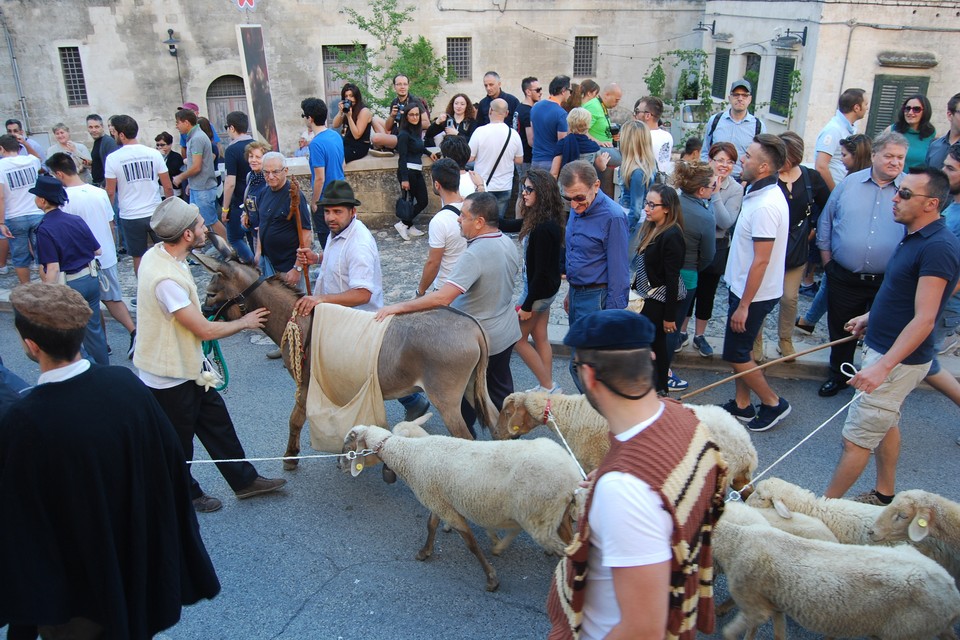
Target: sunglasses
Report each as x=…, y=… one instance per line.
x=909, y=109
x=527, y=189
x=578, y=199
x=906, y=194
x=303, y=115
x=160, y=145
x=538, y=90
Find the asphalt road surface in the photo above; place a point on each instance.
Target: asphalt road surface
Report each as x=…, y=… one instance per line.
x=333, y=556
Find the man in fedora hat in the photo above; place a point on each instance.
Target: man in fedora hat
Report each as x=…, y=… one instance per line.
x=65, y=245
x=99, y=538
x=350, y=268
x=170, y=329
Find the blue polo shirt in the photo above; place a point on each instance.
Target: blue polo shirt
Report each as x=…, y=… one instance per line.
x=930, y=251
x=65, y=239
x=548, y=119
x=596, y=244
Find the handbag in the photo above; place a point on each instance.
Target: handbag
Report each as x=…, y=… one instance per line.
x=798, y=245
x=404, y=207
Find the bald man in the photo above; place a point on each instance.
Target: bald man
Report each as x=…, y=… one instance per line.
x=495, y=148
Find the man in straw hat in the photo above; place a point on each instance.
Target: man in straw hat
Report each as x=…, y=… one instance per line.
x=67, y=248
x=99, y=537
x=170, y=329
x=644, y=537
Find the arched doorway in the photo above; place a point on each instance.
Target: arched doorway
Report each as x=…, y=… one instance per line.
x=224, y=95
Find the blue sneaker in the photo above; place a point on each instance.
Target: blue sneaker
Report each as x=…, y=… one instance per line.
x=674, y=383
x=701, y=345
x=768, y=417
x=746, y=414
x=682, y=340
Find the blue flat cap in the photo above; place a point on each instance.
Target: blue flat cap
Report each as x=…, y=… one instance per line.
x=611, y=330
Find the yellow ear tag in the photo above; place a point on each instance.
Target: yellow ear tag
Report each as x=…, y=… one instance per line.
x=516, y=428
x=357, y=467
x=922, y=522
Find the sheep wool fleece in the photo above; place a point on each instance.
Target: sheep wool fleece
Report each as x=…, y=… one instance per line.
x=676, y=457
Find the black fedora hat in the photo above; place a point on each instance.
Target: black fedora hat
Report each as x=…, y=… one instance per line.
x=50, y=189
x=338, y=192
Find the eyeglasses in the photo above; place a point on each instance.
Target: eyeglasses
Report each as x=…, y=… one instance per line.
x=577, y=199
x=740, y=96
x=274, y=173
x=723, y=163
x=906, y=194
x=527, y=189
x=579, y=363
x=909, y=109
x=162, y=144
x=638, y=112
x=652, y=205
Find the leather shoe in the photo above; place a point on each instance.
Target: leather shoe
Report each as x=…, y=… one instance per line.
x=261, y=485
x=206, y=504
x=832, y=387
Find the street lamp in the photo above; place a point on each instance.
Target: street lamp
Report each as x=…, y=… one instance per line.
x=172, y=43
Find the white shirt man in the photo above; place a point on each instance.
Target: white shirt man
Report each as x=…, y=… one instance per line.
x=447, y=244
x=648, y=111
x=486, y=145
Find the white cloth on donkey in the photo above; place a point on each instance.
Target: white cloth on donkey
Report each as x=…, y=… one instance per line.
x=344, y=388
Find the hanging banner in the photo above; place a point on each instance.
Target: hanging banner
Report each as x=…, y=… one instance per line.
x=257, y=82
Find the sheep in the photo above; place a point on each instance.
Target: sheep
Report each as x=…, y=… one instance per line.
x=852, y=522
x=889, y=593
x=519, y=485
x=929, y=521
x=587, y=433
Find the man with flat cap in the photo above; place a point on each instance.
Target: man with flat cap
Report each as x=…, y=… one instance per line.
x=65, y=245
x=641, y=565
x=169, y=355
x=99, y=538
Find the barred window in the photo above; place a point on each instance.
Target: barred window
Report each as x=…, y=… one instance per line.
x=460, y=58
x=585, y=56
x=73, y=80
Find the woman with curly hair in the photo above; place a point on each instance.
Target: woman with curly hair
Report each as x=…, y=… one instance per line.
x=913, y=121
x=458, y=119
x=541, y=238
x=355, y=120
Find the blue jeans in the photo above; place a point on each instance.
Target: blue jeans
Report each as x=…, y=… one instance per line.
x=503, y=199
x=94, y=340
x=237, y=236
x=206, y=201
x=584, y=302
x=819, y=305
x=24, y=230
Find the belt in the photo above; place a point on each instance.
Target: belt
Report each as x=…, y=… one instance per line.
x=863, y=277
x=414, y=166
x=86, y=271
x=585, y=287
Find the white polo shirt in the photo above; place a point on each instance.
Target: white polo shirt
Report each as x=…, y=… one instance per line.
x=763, y=216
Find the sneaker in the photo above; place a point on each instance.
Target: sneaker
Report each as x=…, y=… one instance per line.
x=746, y=414
x=414, y=411
x=768, y=417
x=109, y=350
x=674, y=383
x=206, y=504
x=414, y=232
x=402, y=230
x=870, y=497
x=950, y=343
x=133, y=302
x=809, y=290
x=555, y=389
x=260, y=485
x=133, y=345
x=381, y=153
x=4, y=270
x=682, y=340
x=701, y=344
x=275, y=354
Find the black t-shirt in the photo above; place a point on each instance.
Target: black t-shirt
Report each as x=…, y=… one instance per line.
x=523, y=121
x=277, y=234
x=411, y=100
x=237, y=165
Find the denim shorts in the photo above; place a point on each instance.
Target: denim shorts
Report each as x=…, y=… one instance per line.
x=539, y=306
x=24, y=230
x=206, y=201
x=738, y=347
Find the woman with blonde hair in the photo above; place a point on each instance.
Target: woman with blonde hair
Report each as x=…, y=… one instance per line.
x=637, y=170
x=656, y=267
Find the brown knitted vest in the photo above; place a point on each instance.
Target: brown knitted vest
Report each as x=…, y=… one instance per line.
x=675, y=456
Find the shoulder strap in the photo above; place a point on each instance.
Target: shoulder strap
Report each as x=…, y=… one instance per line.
x=449, y=207
x=757, y=130
x=713, y=125
x=497, y=163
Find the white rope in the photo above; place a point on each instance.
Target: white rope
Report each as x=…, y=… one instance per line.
x=553, y=423
x=349, y=455
x=735, y=495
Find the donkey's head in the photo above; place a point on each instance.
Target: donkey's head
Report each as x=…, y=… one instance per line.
x=230, y=278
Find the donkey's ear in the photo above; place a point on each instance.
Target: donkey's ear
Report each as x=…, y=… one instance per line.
x=209, y=263
x=225, y=248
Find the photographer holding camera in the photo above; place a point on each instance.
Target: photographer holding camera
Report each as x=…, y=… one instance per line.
x=404, y=99
x=355, y=121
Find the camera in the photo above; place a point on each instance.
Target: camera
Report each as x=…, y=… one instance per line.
x=347, y=105
x=614, y=132
x=400, y=109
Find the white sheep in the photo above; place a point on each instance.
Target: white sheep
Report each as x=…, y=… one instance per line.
x=929, y=521
x=516, y=485
x=889, y=593
x=587, y=433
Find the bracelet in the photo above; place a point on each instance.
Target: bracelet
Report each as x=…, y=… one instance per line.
x=225, y=209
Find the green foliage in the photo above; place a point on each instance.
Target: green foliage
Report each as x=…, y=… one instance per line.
x=656, y=78
x=694, y=81
x=373, y=70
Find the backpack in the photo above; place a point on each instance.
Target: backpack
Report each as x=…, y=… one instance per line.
x=716, y=120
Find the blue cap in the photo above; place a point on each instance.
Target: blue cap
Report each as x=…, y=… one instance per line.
x=50, y=189
x=611, y=330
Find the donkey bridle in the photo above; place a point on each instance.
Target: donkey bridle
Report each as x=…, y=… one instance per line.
x=240, y=299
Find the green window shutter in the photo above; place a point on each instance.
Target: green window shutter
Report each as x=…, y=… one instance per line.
x=889, y=92
x=780, y=94
x=721, y=65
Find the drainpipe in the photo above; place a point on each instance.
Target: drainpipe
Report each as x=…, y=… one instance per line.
x=16, y=75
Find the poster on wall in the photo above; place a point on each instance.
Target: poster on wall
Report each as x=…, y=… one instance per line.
x=257, y=81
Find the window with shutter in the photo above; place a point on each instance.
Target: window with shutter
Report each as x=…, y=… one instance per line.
x=889, y=92
x=780, y=94
x=721, y=65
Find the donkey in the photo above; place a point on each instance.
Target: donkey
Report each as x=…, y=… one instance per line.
x=443, y=351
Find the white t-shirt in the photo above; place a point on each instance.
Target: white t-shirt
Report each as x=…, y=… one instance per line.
x=136, y=169
x=485, y=144
x=19, y=174
x=92, y=204
x=662, y=148
x=172, y=298
x=466, y=185
x=628, y=528
x=444, y=233
x=763, y=215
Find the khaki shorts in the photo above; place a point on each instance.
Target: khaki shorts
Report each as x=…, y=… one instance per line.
x=873, y=414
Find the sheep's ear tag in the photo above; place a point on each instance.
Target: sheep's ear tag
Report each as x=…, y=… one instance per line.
x=515, y=428
x=356, y=466
x=782, y=510
x=918, y=528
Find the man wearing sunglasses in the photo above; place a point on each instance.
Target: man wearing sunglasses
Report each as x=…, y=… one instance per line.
x=532, y=92
x=920, y=275
x=598, y=269
x=851, y=107
x=937, y=152
x=856, y=236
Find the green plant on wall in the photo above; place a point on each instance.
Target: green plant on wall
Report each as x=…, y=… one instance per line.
x=694, y=82
x=414, y=58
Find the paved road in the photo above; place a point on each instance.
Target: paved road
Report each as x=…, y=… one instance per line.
x=333, y=556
